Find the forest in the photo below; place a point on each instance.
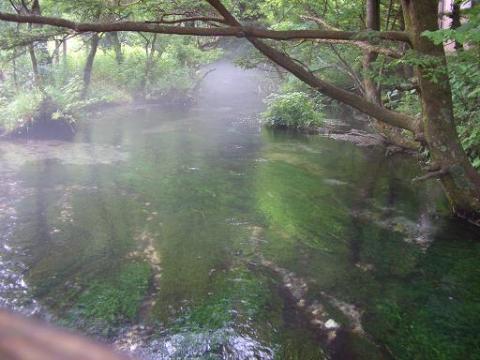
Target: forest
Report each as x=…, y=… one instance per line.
x=233, y=179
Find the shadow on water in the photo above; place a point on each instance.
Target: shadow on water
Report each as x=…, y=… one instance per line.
x=193, y=233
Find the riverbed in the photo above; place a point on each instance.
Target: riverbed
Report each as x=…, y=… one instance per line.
x=196, y=234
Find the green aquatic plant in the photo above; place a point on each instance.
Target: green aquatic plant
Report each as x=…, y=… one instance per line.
x=116, y=298
x=239, y=294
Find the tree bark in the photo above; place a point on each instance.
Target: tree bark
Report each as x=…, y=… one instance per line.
x=87, y=71
x=117, y=47
x=36, y=72
x=56, y=52
x=149, y=60
x=372, y=19
x=64, y=53
x=460, y=180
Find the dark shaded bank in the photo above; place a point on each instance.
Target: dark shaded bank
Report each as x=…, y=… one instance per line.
x=44, y=124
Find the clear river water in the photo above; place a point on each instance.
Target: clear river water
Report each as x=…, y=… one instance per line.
x=196, y=234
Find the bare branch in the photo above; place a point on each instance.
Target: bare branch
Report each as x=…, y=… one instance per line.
x=183, y=20
x=320, y=21
x=349, y=70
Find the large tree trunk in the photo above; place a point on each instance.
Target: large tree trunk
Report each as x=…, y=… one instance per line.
x=373, y=93
x=459, y=179
x=87, y=71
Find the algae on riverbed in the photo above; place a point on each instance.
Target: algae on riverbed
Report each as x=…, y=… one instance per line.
x=357, y=240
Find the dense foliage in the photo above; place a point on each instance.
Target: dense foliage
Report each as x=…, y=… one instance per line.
x=293, y=110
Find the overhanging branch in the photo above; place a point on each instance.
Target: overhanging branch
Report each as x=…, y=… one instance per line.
x=237, y=30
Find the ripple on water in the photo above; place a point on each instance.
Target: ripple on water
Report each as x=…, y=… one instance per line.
x=14, y=291
x=223, y=343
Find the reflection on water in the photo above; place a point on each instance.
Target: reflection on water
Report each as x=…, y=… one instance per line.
x=194, y=234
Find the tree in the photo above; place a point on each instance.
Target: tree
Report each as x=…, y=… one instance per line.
x=87, y=71
x=435, y=129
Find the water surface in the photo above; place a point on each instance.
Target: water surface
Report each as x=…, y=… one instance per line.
x=195, y=234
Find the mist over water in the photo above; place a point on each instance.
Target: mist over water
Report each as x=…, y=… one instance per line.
x=186, y=233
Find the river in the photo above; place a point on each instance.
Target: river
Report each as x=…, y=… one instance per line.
x=196, y=234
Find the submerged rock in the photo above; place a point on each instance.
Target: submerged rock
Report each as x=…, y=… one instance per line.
x=314, y=310
x=420, y=233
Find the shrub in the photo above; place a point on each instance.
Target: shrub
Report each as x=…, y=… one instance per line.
x=21, y=108
x=292, y=110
